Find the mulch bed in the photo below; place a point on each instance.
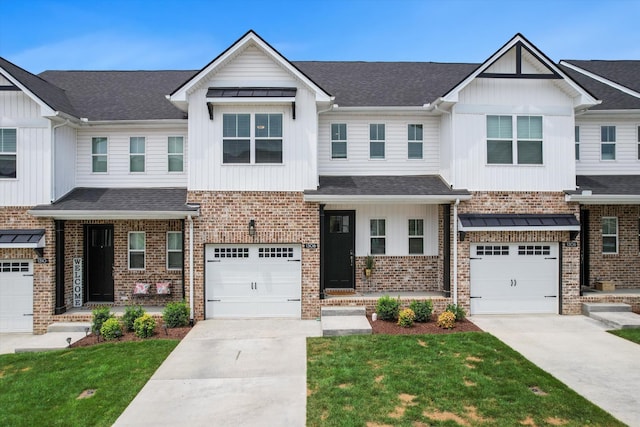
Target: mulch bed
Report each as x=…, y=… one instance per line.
x=158, y=333
x=431, y=327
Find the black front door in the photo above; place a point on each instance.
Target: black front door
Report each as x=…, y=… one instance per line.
x=339, y=249
x=99, y=263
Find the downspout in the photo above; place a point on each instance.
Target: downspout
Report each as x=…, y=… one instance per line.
x=190, y=269
x=53, y=159
x=455, y=251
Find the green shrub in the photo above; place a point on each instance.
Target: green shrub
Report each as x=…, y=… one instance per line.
x=144, y=326
x=176, y=314
x=406, y=318
x=422, y=309
x=447, y=320
x=111, y=329
x=100, y=315
x=457, y=311
x=388, y=308
x=131, y=313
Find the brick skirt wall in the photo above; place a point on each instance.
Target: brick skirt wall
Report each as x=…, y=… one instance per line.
x=399, y=274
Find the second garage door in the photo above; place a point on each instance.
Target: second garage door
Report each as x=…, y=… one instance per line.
x=253, y=281
x=514, y=278
x=16, y=296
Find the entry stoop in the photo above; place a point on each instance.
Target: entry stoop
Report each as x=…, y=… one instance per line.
x=340, y=321
x=69, y=327
x=614, y=315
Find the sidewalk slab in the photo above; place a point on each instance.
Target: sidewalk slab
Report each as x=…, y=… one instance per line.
x=19, y=343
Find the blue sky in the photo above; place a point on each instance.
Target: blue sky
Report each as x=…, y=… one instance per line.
x=186, y=34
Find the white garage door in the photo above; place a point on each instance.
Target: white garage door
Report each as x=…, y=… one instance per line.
x=514, y=278
x=253, y=281
x=16, y=296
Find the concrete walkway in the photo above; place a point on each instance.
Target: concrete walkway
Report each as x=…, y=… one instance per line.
x=230, y=373
x=17, y=343
x=579, y=352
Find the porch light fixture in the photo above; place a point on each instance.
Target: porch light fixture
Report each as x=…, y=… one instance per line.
x=252, y=227
x=462, y=235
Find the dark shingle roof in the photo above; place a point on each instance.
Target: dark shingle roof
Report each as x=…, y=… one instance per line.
x=385, y=84
x=53, y=96
x=122, y=199
x=609, y=184
x=612, y=99
x=417, y=185
x=12, y=237
x=517, y=220
x=121, y=95
x=625, y=73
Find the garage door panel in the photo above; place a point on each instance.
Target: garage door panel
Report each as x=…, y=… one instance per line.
x=16, y=296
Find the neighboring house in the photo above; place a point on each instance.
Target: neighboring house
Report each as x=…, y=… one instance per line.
x=257, y=186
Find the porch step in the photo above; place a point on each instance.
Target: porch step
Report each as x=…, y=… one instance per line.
x=68, y=327
x=348, y=320
x=598, y=307
x=343, y=311
x=617, y=319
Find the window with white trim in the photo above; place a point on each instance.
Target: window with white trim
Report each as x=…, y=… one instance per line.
x=260, y=144
x=8, y=153
x=415, y=138
x=338, y=140
x=99, y=155
x=137, y=249
x=378, y=236
x=137, y=153
x=174, y=250
x=610, y=235
x=576, y=131
x=607, y=142
x=175, y=154
x=376, y=141
x=638, y=139
x=528, y=137
x=416, y=236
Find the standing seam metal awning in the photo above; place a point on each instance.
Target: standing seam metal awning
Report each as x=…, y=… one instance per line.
x=22, y=238
x=518, y=222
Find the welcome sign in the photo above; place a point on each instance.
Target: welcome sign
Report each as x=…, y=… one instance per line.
x=77, y=282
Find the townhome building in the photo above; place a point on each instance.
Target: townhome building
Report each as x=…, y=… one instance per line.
x=259, y=186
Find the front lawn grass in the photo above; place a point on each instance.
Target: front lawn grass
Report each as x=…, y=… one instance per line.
x=425, y=380
x=39, y=389
x=628, y=334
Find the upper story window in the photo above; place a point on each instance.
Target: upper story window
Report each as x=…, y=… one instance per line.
x=576, y=131
x=175, y=154
x=376, y=141
x=638, y=139
x=500, y=137
x=174, y=250
x=8, y=153
x=378, y=234
x=610, y=235
x=241, y=144
x=99, y=154
x=338, y=140
x=136, y=154
x=137, y=249
x=415, y=138
x=416, y=236
x=608, y=142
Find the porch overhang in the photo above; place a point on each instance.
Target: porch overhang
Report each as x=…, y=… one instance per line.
x=604, y=199
x=413, y=189
x=518, y=222
x=31, y=239
x=606, y=190
x=119, y=204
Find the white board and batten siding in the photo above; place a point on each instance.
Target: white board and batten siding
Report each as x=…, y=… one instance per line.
x=118, y=170
x=298, y=170
x=64, y=157
x=513, y=97
x=627, y=143
x=396, y=161
x=397, y=226
x=32, y=185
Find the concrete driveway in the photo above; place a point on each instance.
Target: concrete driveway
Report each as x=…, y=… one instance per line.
x=230, y=373
x=579, y=352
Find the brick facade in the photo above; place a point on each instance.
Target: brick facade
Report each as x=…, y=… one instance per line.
x=400, y=274
x=281, y=217
x=622, y=267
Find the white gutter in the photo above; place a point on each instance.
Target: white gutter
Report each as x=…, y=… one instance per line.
x=455, y=251
x=190, y=268
x=604, y=199
x=381, y=199
x=90, y=215
x=53, y=159
x=383, y=109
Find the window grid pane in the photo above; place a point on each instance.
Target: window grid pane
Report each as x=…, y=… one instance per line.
x=609, y=235
x=174, y=250
x=338, y=141
x=8, y=158
x=499, y=152
x=136, y=250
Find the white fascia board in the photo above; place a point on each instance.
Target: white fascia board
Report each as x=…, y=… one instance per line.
x=601, y=79
x=254, y=100
x=138, y=123
x=399, y=199
x=368, y=109
x=45, y=109
x=111, y=215
x=604, y=199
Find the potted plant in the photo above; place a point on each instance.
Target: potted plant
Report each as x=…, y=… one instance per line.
x=369, y=263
